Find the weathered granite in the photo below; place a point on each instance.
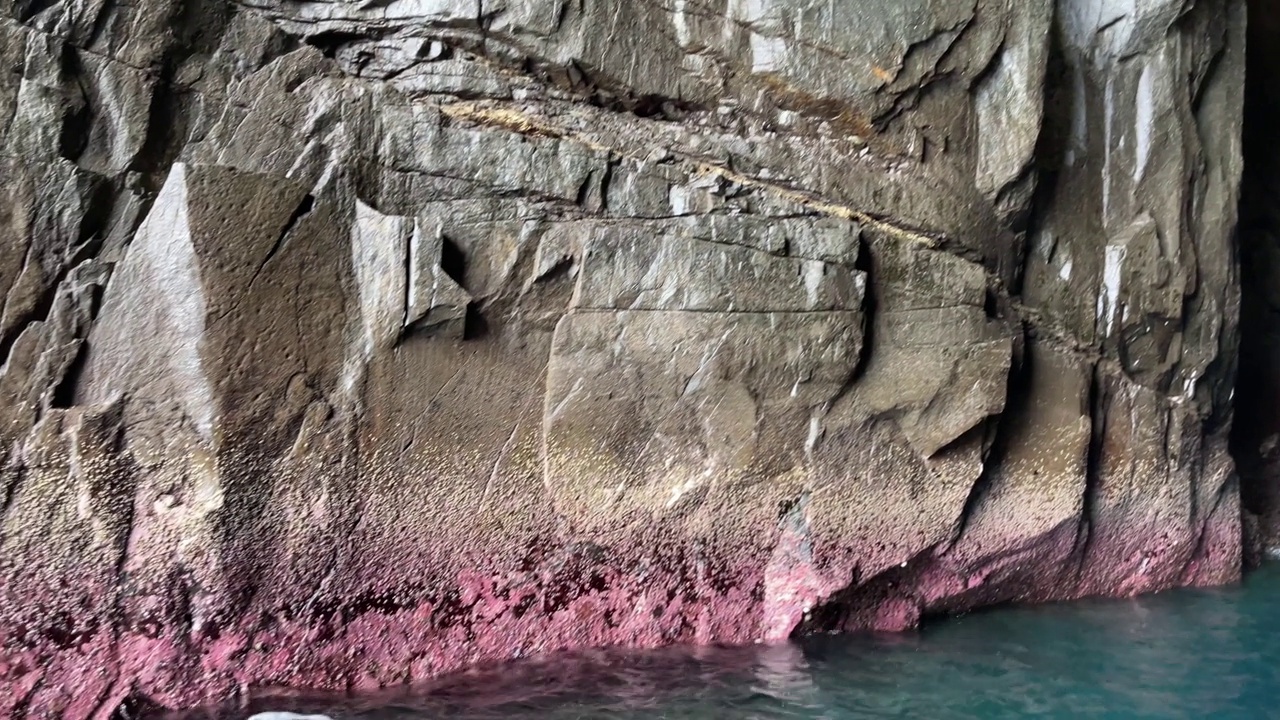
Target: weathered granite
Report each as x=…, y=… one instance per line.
x=348, y=343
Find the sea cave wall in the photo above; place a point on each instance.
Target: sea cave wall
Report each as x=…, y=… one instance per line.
x=1255, y=437
x=347, y=343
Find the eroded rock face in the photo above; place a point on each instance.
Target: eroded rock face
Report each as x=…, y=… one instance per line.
x=345, y=344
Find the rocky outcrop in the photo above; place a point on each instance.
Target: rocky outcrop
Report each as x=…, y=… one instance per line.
x=349, y=343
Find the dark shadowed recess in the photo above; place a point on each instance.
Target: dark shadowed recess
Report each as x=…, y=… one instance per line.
x=1256, y=429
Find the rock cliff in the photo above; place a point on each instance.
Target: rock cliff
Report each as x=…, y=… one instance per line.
x=349, y=342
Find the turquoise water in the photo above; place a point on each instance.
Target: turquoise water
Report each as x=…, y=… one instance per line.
x=1183, y=654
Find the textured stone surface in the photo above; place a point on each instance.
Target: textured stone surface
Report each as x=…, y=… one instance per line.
x=347, y=343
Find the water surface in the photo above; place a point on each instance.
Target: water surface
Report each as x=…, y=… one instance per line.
x=1183, y=654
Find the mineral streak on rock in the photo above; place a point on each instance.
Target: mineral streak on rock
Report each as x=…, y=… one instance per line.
x=343, y=344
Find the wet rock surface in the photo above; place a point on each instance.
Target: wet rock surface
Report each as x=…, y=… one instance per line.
x=348, y=343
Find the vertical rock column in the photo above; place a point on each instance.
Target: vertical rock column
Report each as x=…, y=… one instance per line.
x=1132, y=256
x=1115, y=468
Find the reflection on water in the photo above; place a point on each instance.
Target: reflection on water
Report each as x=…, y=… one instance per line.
x=1186, y=654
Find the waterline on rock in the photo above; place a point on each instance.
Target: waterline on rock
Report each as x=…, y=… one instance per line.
x=1192, y=653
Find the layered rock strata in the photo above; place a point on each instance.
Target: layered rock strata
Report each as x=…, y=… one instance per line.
x=349, y=343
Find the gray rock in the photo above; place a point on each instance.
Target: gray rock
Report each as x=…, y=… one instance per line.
x=344, y=344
